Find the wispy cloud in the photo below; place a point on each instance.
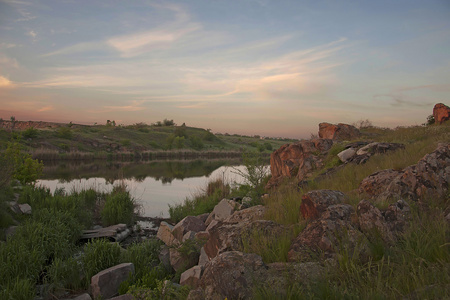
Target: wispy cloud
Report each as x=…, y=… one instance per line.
x=6, y=83
x=77, y=48
x=132, y=107
x=8, y=62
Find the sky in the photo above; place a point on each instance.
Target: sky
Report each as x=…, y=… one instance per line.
x=271, y=68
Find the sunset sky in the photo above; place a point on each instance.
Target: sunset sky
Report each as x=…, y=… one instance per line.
x=274, y=68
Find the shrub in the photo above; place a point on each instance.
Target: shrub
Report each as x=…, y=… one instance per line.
x=125, y=142
x=30, y=133
x=196, y=143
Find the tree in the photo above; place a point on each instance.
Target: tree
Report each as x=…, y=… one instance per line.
x=430, y=120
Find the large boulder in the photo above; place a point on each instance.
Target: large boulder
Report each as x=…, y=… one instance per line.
x=165, y=234
x=428, y=179
x=106, y=283
x=228, y=236
x=323, y=237
x=441, y=113
x=297, y=160
x=316, y=202
x=191, y=277
x=232, y=275
x=189, y=223
x=247, y=215
x=338, y=132
x=222, y=210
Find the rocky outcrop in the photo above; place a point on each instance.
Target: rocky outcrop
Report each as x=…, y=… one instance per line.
x=189, y=223
x=429, y=178
x=22, y=125
x=441, y=113
x=361, y=155
x=106, y=283
x=315, y=203
x=340, y=131
x=297, y=160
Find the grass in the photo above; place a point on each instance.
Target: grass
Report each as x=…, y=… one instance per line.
x=118, y=208
x=203, y=202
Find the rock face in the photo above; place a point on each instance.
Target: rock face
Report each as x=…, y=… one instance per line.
x=429, y=178
x=315, y=203
x=338, y=132
x=297, y=160
x=441, y=113
x=106, y=283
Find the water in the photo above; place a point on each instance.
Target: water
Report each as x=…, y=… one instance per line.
x=154, y=185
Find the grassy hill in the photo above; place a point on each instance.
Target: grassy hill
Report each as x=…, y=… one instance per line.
x=73, y=141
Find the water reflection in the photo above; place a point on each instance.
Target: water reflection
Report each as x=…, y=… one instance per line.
x=154, y=184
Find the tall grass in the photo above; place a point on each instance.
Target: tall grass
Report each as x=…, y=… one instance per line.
x=203, y=202
x=118, y=207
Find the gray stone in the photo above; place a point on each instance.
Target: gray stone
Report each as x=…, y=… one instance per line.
x=191, y=277
x=190, y=235
x=179, y=261
x=346, y=155
x=203, y=217
x=222, y=210
x=247, y=215
x=10, y=231
x=166, y=236
x=106, y=283
x=189, y=223
x=211, y=225
x=84, y=296
x=365, y=150
x=25, y=208
x=164, y=257
x=203, y=258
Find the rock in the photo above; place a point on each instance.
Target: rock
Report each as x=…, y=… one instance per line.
x=10, y=231
x=397, y=216
x=202, y=236
x=211, y=225
x=228, y=236
x=316, y=202
x=166, y=236
x=197, y=294
x=123, y=297
x=191, y=277
x=441, y=113
x=365, y=150
x=180, y=261
x=203, y=258
x=190, y=235
x=232, y=275
x=346, y=155
x=324, y=236
x=428, y=179
x=372, y=222
x=25, y=208
x=164, y=257
x=14, y=206
x=203, y=217
x=222, y=210
x=106, y=283
x=338, y=132
x=247, y=215
x=297, y=160
x=189, y=223
x=84, y=296
x=376, y=183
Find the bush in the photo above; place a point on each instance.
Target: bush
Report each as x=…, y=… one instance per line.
x=30, y=133
x=196, y=143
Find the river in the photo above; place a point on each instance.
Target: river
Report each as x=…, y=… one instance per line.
x=154, y=184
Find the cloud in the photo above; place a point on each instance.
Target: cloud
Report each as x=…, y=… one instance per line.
x=33, y=34
x=134, y=106
x=46, y=108
x=8, y=62
x=80, y=47
x=6, y=83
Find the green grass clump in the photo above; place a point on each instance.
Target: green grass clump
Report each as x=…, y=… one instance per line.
x=98, y=256
x=201, y=203
x=118, y=208
x=64, y=274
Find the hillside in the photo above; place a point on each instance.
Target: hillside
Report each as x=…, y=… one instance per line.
x=53, y=141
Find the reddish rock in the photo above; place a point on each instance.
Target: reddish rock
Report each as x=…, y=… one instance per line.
x=189, y=223
x=297, y=160
x=376, y=183
x=441, y=113
x=191, y=277
x=372, y=222
x=316, y=202
x=338, y=132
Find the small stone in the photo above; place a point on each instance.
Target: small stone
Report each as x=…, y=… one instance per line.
x=346, y=155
